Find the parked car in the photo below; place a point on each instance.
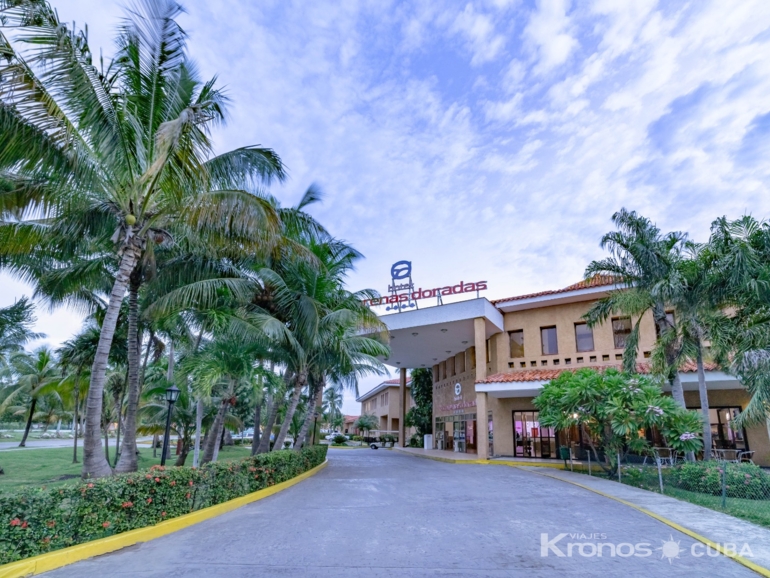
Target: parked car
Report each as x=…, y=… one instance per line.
x=331, y=436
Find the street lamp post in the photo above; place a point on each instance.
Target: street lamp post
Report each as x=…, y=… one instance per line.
x=172, y=394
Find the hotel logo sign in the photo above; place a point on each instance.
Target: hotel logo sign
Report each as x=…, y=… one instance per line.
x=403, y=295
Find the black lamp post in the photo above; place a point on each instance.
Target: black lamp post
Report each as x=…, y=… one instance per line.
x=172, y=394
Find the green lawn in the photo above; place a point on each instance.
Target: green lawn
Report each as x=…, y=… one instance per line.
x=51, y=467
x=757, y=511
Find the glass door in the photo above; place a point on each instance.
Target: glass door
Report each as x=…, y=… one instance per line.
x=530, y=440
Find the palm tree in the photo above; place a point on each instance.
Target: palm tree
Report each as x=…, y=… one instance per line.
x=332, y=398
x=644, y=263
x=123, y=149
x=16, y=323
x=36, y=375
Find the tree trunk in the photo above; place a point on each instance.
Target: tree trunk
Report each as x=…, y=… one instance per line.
x=212, y=439
x=184, y=451
x=95, y=465
x=272, y=414
x=257, y=420
x=198, y=428
x=75, y=423
x=32, y=405
x=298, y=385
x=128, y=461
x=310, y=417
x=704, y=402
x=221, y=443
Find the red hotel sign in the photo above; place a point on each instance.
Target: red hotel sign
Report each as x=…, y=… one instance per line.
x=421, y=293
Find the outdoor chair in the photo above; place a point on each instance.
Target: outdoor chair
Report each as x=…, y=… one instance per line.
x=667, y=456
x=746, y=457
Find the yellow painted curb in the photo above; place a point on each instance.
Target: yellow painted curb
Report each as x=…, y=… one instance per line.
x=66, y=556
x=761, y=570
x=512, y=463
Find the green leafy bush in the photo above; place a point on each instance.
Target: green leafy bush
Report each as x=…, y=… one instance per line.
x=340, y=439
x=357, y=438
x=416, y=441
x=35, y=521
x=742, y=481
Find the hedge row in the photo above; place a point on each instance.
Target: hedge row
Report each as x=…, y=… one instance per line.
x=35, y=521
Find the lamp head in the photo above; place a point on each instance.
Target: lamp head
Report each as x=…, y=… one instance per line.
x=172, y=394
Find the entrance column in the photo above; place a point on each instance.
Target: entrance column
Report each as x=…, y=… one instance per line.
x=402, y=407
x=482, y=428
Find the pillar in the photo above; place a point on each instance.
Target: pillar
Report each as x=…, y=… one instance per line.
x=482, y=426
x=402, y=407
x=480, y=336
x=480, y=341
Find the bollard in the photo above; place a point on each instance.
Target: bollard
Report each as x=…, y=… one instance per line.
x=589, y=462
x=619, y=481
x=660, y=474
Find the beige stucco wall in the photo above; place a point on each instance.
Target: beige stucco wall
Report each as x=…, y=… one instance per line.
x=388, y=413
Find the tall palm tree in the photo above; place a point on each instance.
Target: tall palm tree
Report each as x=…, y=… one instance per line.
x=332, y=401
x=123, y=149
x=16, y=323
x=36, y=375
x=643, y=262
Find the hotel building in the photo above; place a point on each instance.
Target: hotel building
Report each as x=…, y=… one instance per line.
x=384, y=402
x=491, y=358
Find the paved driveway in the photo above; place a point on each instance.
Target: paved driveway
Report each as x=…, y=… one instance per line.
x=381, y=514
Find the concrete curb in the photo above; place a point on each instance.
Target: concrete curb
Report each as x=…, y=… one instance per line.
x=511, y=463
x=66, y=556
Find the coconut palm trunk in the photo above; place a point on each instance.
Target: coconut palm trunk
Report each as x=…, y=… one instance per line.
x=127, y=461
x=272, y=414
x=198, y=428
x=704, y=402
x=310, y=417
x=95, y=464
x=75, y=420
x=298, y=385
x=257, y=420
x=29, y=422
x=215, y=433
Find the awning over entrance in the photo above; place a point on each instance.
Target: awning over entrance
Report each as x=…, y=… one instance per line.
x=529, y=383
x=421, y=338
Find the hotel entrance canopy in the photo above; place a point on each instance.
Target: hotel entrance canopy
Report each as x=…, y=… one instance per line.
x=419, y=338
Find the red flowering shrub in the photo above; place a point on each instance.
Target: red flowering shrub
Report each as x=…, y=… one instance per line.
x=34, y=521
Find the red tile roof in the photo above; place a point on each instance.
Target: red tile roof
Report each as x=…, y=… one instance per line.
x=396, y=381
x=596, y=281
x=351, y=417
x=548, y=374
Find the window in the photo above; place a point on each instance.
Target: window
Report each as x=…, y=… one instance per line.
x=489, y=351
x=460, y=363
x=517, y=342
x=584, y=337
x=450, y=366
x=670, y=318
x=548, y=340
x=386, y=398
x=621, y=329
x=473, y=356
x=442, y=369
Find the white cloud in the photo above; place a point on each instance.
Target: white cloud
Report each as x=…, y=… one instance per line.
x=549, y=31
x=479, y=32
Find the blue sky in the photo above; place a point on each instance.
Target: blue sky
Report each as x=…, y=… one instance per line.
x=490, y=139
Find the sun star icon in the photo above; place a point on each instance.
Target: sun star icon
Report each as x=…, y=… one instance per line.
x=670, y=549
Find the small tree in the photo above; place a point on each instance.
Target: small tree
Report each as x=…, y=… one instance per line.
x=613, y=410
x=421, y=415
x=366, y=423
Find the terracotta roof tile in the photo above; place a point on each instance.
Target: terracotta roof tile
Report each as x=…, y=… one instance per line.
x=396, y=381
x=548, y=374
x=596, y=281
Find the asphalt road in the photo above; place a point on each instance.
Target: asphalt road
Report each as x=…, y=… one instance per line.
x=382, y=514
